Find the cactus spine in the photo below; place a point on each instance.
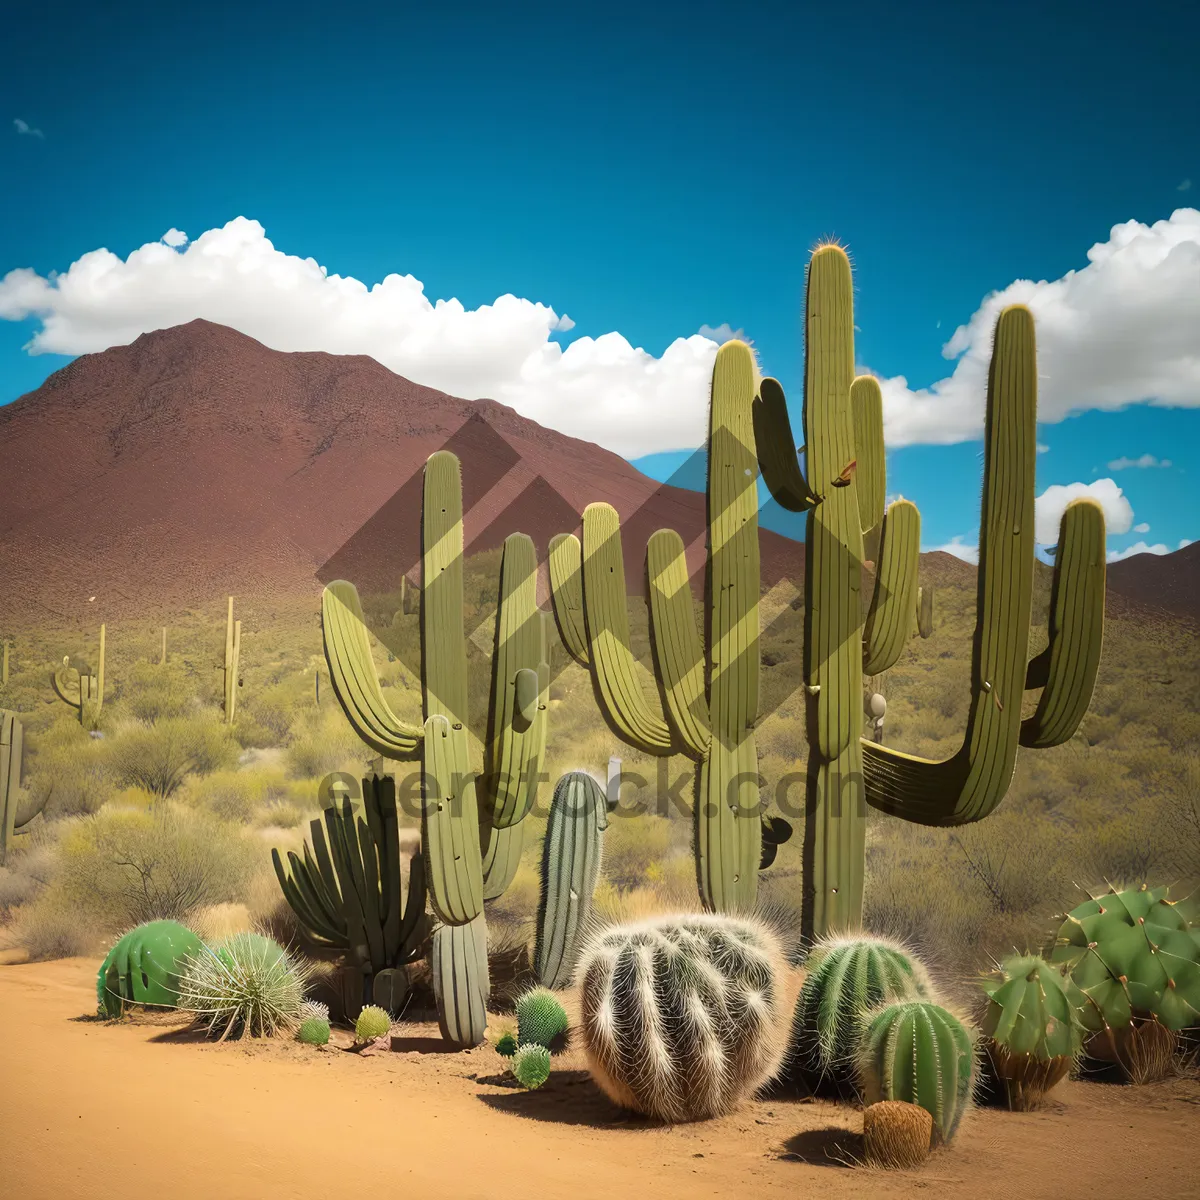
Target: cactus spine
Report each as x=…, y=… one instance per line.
x=233, y=652
x=844, y=436
x=917, y=1052
x=346, y=891
x=682, y=1017
x=711, y=690
x=570, y=865
x=85, y=691
x=16, y=811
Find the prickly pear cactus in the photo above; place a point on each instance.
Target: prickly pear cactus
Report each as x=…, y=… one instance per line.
x=1031, y=1031
x=144, y=967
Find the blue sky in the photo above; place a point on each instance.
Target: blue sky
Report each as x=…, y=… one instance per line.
x=649, y=171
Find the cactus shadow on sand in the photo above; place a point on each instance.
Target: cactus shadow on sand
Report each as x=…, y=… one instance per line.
x=567, y=1098
x=832, y=1146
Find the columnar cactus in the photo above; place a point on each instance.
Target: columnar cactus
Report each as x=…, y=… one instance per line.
x=81, y=689
x=1031, y=1031
x=346, y=891
x=710, y=691
x=917, y=1052
x=682, y=1016
x=570, y=866
x=145, y=966
x=462, y=872
x=16, y=809
x=843, y=496
x=233, y=654
x=847, y=978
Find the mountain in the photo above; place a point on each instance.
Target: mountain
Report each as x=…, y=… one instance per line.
x=1164, y=581
x=196, y=462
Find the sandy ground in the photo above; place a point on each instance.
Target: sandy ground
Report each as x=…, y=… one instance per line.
x=89, y=1108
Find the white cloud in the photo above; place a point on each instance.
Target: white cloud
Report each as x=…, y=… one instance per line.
x=1049, y=507
x=1142, y=548
x=565, y=324
x=721, y=333
x=1144, y=462
x=959, y=547
x=602, y=389
x=174, y=237
x=1144, y=527
x=1119, y=331
x=1185, y=186
x=25, y=129
x=1042, y=448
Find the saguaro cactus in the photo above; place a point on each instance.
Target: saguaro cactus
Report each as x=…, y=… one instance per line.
x=843, y=496
x=81, y=689
x=16, y=810
x=461, y=873
x=233, y=652
x=711, y=690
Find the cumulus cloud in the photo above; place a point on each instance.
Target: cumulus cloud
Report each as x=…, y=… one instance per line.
x=1050, y=505
x=602, y=389
x=25, y=129
x=722, y=333
x=1042, y=448
x=959, y=547
x=174, y=237
x=1119, y=331
x=1142, y=548
x=1144, y=527
x=1144, y=462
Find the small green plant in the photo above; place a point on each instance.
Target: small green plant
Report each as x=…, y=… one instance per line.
x=541, y=1020
x=373, y=1022
x=248, y=984
x=506, y=1045
x=314, y=1032
x=144, y=967
x=531, y=1066
x=313, y=1010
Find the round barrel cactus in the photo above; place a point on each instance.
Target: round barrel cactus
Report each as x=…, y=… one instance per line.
x=144, y=967
x=847, y=977
x=682, y=1016
x=1031, y=1030
x=541, y=1020
x=531, y=1066
x=918, y=1052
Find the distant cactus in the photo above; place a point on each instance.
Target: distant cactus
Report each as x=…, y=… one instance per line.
x=145, y=966
x=541, y=1020
x=232, y=665
x=373, y=1022
x=81, y=689
x=314, y=1032
x=917, y=1052
x=17, y=809
x=531, y=1066
x=682, y=1016
x=1136, y=960
x=1031, y=1030
x=896, y=1135
x=847, y=978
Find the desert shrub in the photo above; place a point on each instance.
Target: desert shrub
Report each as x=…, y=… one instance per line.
x=123, y=866
x=159, y=757
x=323, y=744
x=52, y=927
x=519, y=903
x=631, y=845
x=231, y=795
x=31, y=865
x=151, y=692
x=264, y=718
x=66, y=771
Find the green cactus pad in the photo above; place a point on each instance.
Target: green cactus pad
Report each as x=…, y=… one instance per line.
x=314, y=1032
x=373, y=1022
x=531, y=1066
x=144, y=967
x=541, y=1019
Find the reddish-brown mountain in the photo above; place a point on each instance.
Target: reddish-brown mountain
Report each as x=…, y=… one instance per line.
x=1166, y=581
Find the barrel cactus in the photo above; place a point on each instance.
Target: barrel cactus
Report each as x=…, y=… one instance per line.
x=847, y=978
x=531, y=1066
x=682, y=1016
x=541, y=1020
x=1031, y=1031
x=314, y=1031
x=1135, y=958
x=918, y=1052
x=896, y=1135
x=144, y=967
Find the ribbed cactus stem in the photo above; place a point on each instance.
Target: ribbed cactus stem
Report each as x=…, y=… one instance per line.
x=460, y=981
x=14, y=814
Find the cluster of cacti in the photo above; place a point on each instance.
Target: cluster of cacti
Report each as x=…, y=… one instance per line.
x=846, y=979
x=570, y=866
x=1031, y=1030
x=347, y=891
x=313, y=1031
x=17, y=808
x=842, y=490
x=462, y=869
x=145, y=966
x=682, y=1016
x=247, y=983
x=372, y=1022
x=918, y=1052
x=82, y=689
x=710, y=690
x=233, y=652
x=1134, y=957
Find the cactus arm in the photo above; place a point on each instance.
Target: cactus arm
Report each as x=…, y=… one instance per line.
x=678, y=653
x=968, y=786
x=1066, y=671
x=443, y=641
x=72, y=693
x=775, y=444
x=356, y=933
x=870, y=476
x=450, y=824
x=298, y=892
x=367, y=876
x=566, y=592
x=414, y=909
x=501, y=857
x=515, y=657
x=329, y=904
x=890, y=620
x=352, y=673
x=614, y=668
x=925, y=611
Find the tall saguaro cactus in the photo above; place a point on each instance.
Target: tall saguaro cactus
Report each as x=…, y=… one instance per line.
x=461, y=872
x=16, y=811
x=843, y=496
x=233, y=653
x=84, y=691
x=710, y=689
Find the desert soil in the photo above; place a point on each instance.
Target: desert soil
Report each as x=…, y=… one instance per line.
x=92, y=1108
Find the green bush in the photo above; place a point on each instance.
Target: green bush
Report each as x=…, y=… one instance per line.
x=157, y=758
x=152, y=692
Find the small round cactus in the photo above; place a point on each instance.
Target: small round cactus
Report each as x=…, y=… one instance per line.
x=506, y=1045
x=373, y=1022
x=541, y=1020
x=682, y=1016
x=896, y=1135
x=531, y=1065
x=314, y=1031
x=918, y=1052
